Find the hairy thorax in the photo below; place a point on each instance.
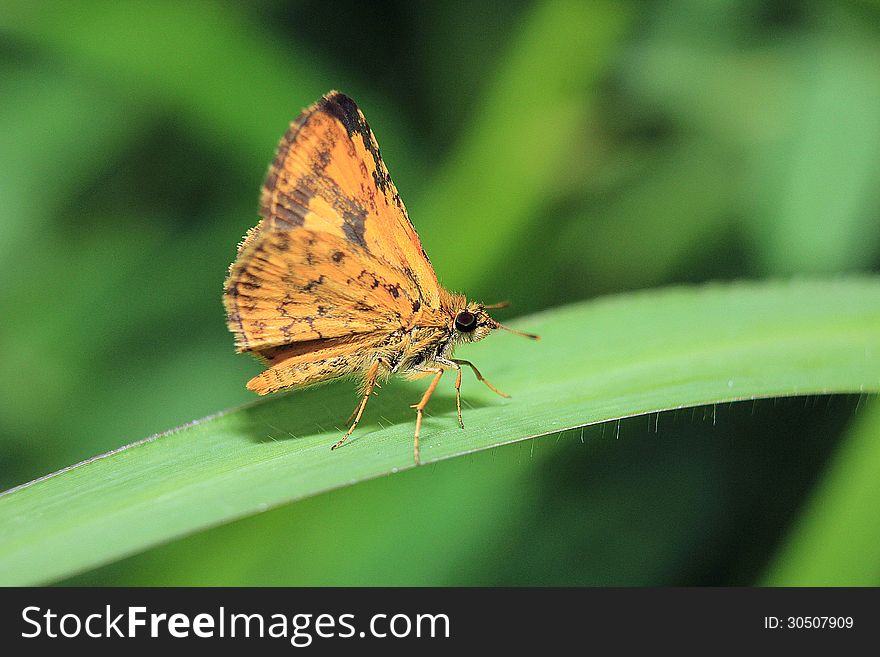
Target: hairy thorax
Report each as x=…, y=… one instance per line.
x=417, y=349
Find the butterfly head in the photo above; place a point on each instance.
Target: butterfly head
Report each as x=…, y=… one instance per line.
x=473, y=323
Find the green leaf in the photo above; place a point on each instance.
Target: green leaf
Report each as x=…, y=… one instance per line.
x=834, y=543
x=597, y=361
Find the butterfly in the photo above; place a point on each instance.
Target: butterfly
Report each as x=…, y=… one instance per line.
x=334, y=281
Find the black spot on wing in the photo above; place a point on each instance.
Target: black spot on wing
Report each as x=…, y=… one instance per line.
x=311, y=285
x=368, y=277
x=353, y=225
x=282, y=243
x=346, y=111
x=322, y=160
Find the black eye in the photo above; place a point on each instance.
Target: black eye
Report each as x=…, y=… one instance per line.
x=465, y=322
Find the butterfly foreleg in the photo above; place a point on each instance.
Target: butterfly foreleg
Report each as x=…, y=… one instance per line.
x=420, y=407
x=480, y=376
x=454, y=364
x=369, y=382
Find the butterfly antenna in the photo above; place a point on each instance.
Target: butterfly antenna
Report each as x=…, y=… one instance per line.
x=495, y=306
x=530, y=336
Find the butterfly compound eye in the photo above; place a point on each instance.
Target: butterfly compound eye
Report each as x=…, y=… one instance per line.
x=465, y=322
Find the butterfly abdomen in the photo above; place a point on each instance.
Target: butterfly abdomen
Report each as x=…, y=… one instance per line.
x=299, y=372
x=307, y=363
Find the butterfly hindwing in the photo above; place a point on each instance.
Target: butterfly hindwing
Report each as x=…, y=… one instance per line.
x=301, y=286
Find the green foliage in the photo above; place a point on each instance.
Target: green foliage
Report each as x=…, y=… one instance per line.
x=548, y=152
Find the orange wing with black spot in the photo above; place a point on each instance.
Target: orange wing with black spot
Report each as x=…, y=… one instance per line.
x=303, y=286
x=328, y=176
x=334, y=255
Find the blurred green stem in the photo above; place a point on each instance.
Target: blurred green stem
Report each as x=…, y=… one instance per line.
x=529, y=113
x=834, y=543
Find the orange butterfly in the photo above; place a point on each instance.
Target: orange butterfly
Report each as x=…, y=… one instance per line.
x=334, y=280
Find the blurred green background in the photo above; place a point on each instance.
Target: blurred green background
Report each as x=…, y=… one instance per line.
x=548, y=152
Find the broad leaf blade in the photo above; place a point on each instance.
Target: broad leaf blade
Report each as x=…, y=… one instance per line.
x=597, y=361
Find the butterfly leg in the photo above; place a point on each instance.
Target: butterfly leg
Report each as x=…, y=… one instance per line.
x=420, y=407
x=479, y=376
x=358, y=407
x=458, y=395
x=372, y=373
x=454, y=364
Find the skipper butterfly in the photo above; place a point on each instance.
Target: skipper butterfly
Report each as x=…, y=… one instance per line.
x=333, y=281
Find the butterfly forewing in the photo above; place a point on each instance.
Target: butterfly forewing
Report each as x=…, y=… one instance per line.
x=328, y=176
x=335, y=255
